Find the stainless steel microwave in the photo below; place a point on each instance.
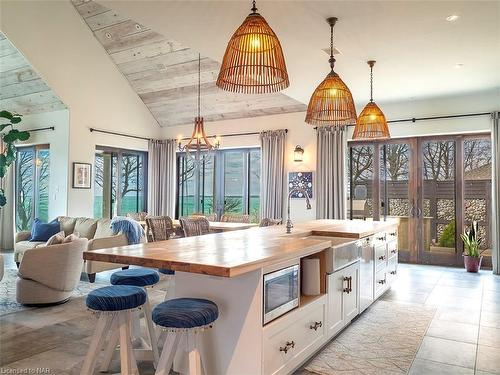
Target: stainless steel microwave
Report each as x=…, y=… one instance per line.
x=281, y=292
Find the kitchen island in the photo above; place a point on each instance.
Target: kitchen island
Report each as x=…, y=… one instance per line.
x=229, y=268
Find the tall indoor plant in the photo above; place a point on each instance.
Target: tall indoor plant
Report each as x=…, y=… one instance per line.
x=9, y=135
x=472, y=255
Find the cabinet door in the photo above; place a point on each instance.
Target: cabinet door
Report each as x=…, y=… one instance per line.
x=336, y=286
x=351, y=299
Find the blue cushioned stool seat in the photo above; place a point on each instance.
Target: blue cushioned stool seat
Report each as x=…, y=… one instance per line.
x=136, y=277
x=166, y=271
x=185, y=313
x=116, y=298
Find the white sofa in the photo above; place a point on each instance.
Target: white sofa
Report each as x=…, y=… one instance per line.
x=49, y=274
x=97, y=231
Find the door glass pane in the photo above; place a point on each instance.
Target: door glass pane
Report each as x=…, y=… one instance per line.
x=394, y=188
x=98, y=186
x=25, y=188
x=438, y=196
x=234, y=177
x=207, y=186
x=361, y=182
x=42, y=164
x=254, y=186
x=477, y=188
x=129, y=186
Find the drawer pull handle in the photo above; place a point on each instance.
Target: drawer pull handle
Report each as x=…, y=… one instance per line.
x=394, y=251
x=393, y=234
x=316, y=325
x=382, y=257
x=381, y=281
x=393, y=272
x=381, y=238
x=349, y=284
x=289, y=345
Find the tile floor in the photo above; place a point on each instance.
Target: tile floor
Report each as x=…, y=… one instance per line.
x=463, y=337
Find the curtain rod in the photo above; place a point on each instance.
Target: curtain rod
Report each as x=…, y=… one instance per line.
x=41, y=129
x=183, y=139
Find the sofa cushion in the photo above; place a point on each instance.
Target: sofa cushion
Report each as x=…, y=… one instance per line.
x=67, y=224
x=104, y=229
x=56, y=239
x=72, y=237
x=86, y=227
x=43, y=231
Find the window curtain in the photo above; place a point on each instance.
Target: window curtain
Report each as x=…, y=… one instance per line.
x=161, y=177
x=272, y=143
x=330, y=171
x=7, y=211
x=495, y=216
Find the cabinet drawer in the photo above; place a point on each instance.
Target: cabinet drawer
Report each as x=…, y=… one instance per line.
x=380, y=282
x=392, y=249
x=392, y=269
x=379, y=239
x=380, y=255
x=392, y=234
x=288, y=342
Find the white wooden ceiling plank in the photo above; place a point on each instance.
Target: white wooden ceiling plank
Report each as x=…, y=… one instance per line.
x=147, y=51
x=175, y=82
x=18, y=75
x=11, y=62
x=6, y=48
x=105, y=19
x=89, y=8
x=23, y=88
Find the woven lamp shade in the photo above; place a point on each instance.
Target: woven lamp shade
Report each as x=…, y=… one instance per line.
x=371, y=124
x=253, y=62
x=331, y=103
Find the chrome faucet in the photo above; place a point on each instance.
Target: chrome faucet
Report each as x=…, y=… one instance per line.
x=289, y=224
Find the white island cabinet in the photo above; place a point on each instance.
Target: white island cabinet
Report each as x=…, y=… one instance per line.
x=229, y=268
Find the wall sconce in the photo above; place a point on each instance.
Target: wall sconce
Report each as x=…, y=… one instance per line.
x=298, y=153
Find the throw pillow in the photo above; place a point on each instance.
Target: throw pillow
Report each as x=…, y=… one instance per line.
x=72, y=237
x=43, y=231
x=56, y=239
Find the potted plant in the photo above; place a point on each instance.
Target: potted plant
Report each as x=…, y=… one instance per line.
x=472, y=255
x=9, y=135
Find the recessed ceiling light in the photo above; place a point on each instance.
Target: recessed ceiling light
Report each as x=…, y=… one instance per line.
x=459, y=65
x=452, y=17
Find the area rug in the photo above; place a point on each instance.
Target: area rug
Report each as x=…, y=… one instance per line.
x=8, y=302
x=383, y=340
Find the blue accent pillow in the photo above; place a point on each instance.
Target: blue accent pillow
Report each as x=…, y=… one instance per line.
x=43, y=231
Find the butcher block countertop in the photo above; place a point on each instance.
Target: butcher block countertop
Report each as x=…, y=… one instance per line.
x=234, y=253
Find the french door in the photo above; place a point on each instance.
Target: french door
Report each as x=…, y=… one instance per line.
x=434, y=186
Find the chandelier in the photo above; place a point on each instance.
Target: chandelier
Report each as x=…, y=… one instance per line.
x=198, y=146
x=253, y=62
x=371, y=122
x=331, y=103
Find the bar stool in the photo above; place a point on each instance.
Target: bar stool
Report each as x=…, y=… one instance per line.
x=144, y=278
x=168, y=275
x=183, y=317
x=113, y=306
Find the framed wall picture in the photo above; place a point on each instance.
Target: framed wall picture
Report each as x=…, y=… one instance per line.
x=302, y=180
x=82, y=175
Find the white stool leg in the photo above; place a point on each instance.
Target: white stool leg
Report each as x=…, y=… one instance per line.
x=127, y=359
x=168, y=353
x=151, y=331
x=103, y=325
x=111, y=348
x=194, y=355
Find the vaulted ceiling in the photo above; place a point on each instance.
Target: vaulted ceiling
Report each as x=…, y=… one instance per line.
x=164, y=72
x=22, y=90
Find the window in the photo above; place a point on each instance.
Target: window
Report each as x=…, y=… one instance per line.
x=119, y=182
x=32, y=185
x=228, y=182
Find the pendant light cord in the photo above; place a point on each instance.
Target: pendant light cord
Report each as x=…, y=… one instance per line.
x=371, y=83
x=331, y=21
x=199, y=84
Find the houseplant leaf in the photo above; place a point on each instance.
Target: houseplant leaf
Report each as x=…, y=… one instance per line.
x=15, y=120
x=6, y=114
x=23, y=136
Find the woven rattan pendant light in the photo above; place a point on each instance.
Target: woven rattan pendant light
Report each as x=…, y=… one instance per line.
x=371, y=122
x=331, y=103
x=253, y=62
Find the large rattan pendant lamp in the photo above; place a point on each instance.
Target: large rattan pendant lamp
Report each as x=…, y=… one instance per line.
x=371, y=122
x=331, y=103
x=253, y=62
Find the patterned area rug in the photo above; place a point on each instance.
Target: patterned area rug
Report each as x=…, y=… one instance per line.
x=384, y=340
x=8, y=302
